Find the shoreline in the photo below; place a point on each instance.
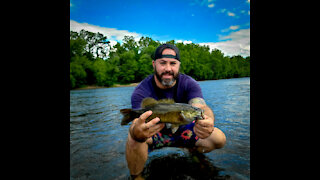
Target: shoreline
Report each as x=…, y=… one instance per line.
x=101, y=87
x=134, y=84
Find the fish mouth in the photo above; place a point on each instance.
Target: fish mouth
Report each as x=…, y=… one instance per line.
x=201, y=116
x=202, y=113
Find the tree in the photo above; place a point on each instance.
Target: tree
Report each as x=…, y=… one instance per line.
x=128, y=67
x=145, y=67
x=99, y=68
x=95, y=44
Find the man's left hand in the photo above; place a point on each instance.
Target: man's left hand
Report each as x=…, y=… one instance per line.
x=204, y=127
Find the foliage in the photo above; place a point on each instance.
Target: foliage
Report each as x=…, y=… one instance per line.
x=131, y=61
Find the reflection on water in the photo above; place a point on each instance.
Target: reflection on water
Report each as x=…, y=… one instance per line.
x=97, y=141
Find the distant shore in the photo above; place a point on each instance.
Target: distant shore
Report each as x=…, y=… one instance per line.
x=99, y=87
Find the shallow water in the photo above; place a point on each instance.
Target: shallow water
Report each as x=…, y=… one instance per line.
x=97, y=141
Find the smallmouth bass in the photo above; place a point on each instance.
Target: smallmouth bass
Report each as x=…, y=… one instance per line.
x=166, y=109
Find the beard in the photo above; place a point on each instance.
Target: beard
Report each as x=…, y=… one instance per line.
x=167, y=82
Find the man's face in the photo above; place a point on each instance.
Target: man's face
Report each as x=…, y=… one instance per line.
x=166, y=69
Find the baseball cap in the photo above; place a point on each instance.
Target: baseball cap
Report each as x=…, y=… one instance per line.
x=158, y=53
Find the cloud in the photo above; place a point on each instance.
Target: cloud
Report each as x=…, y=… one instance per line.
x=237, y=43
x=183, y=41
x=207, y=3
x=231, y=28
x=113, y=34
x=228, y=13
x=234, y=27
x=221, y=10
x=211, y=5
x=231, y=13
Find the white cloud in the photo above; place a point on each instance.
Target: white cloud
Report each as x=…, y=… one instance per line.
x=231, y=28
x=231, y=13
x=237, y=43
x=234, y=27
x=183, y=41
x=112, y=34
x=211, y=5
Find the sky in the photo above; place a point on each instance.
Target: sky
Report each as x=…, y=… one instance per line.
x=221, y=24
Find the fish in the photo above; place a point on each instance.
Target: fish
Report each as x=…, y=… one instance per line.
x=167, y=110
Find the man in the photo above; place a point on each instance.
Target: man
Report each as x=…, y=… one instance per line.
x=167, y=82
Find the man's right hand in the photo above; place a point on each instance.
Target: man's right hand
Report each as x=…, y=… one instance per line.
x=140, y=131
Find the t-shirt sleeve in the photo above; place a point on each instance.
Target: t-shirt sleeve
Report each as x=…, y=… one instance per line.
x=136, y=99
x=193, y=90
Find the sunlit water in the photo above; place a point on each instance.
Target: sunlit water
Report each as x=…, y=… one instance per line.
x=97, y=140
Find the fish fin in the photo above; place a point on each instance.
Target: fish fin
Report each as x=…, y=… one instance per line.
x=148, y=101
x=127, y=116
x=166, y=101
x=174, y=128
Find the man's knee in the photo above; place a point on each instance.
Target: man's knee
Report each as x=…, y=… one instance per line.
x=215, y=141
x=218, y=138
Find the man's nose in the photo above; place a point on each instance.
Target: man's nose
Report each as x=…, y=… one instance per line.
x=167, y=67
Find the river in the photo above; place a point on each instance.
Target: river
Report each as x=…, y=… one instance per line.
x=97, y=140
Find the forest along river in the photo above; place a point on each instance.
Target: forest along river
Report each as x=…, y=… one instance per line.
x=97, y=140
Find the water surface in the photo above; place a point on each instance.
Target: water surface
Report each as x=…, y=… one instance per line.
x=97, y=141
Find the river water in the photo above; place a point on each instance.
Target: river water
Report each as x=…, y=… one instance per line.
x=97, y=140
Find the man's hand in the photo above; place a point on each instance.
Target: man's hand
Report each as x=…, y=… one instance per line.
x=140, y=131
x=203, y=128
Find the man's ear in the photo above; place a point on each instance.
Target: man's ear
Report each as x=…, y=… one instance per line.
x=153, y=63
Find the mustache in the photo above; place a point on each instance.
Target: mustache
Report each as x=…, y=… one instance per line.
x=167, y=72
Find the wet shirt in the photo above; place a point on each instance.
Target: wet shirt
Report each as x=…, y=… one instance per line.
x=185, y=89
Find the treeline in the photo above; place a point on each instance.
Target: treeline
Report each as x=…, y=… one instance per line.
x=131, y=61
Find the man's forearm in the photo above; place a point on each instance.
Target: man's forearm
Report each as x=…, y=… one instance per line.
x=208, y=111
x=199, y=102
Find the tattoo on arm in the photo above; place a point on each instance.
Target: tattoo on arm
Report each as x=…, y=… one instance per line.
x=197, y=101
x=207, y=110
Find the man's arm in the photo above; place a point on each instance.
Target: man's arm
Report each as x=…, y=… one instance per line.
x=200, y=103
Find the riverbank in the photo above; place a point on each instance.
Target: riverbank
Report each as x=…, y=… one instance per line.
x=100, y=87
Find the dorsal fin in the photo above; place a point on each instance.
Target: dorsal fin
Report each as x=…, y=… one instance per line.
x=166, y=101
x=148, y=101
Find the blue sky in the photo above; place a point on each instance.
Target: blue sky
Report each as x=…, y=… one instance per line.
x=221, y=24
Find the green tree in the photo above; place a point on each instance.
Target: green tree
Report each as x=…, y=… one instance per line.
x=77, y=75
x=145, y=67
x=99, y=68
x=128, y=67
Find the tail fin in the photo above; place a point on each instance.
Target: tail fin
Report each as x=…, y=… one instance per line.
x=128, y=116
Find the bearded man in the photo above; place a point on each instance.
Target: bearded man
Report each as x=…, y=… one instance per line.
x=168, y=83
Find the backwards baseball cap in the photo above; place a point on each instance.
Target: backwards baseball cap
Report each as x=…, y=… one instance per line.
x=158, y=53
